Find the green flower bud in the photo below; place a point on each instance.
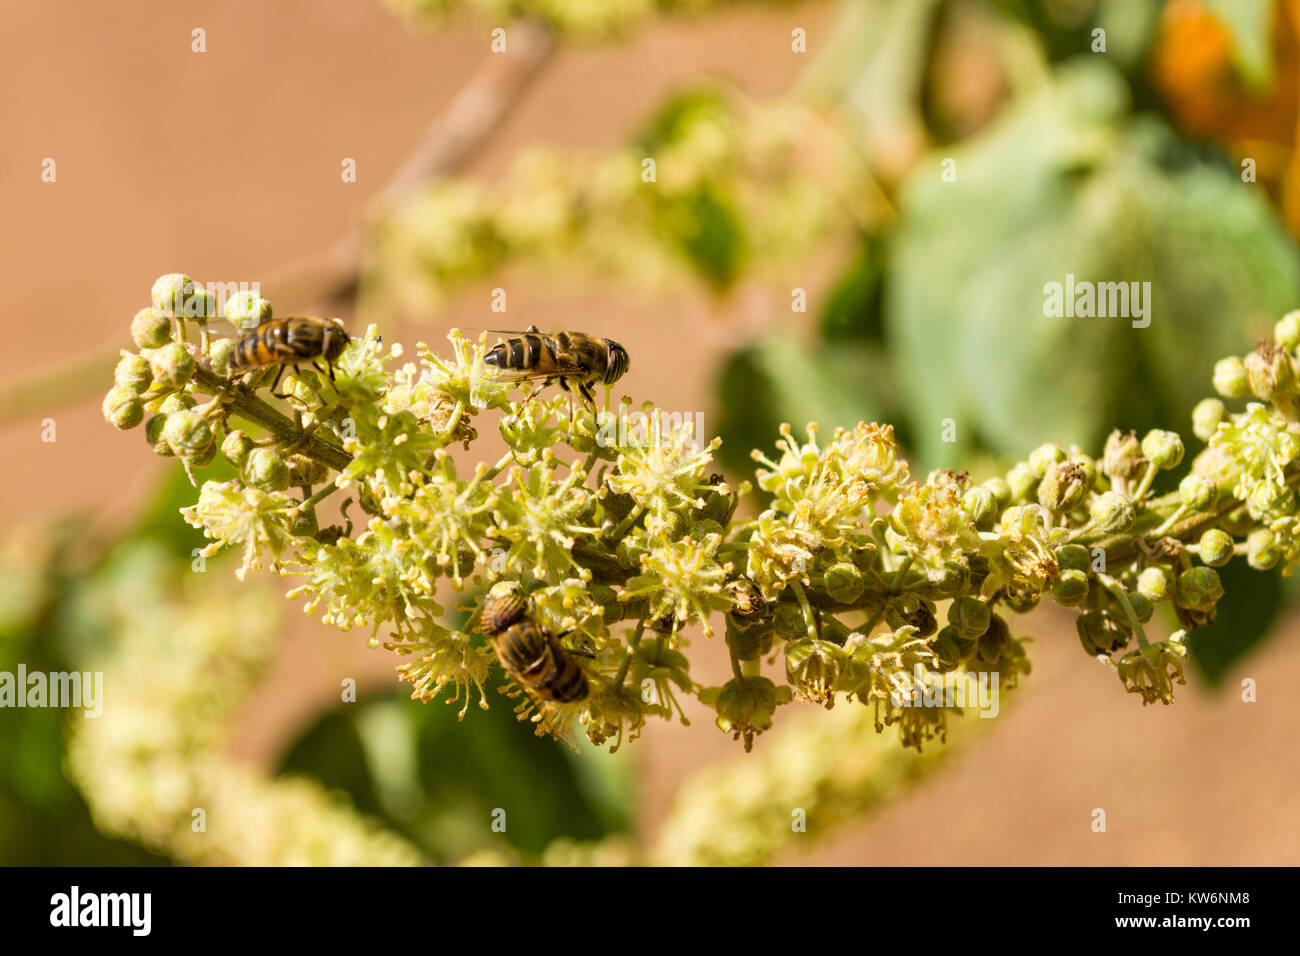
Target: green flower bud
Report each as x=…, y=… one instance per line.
x=750, y=644
x=981, y=504
x=306, y=471
x=1021, y=480
x=1043, y=456
x=153, y=433
x=236, y=447
x=864, y=558
x=1074, y=556
x=1206, y=417
x=151, y=329
x=1163, y=449
x=956, y=577
x=177, y=402
x=172, y=291
x=133, y=373
x=745, y=707
x=1269, y=371
x=247, y=310
x=1262, y=551
x=1122, y=458
x=789, y=622
x=946, y=649
x=202, y=305
x=172, y=365
x=1199, y=589
x=1230, y=378
x=969, y=616
x=1215, y=548
x=1153, y=584
x=993, y=641
x=203, y=458
x=1071, y=589
x=219, y=353
x=1063, y=486
x=266, y=469
x=844, y=583
x=123, y=407
x=1001, y=490
x=812, y=668
x=1286, y=334
x=1196, y=492
x=911, y=611
x=1102, y=632
x=1142, y=606
x=187, y=433
x=1112, y=513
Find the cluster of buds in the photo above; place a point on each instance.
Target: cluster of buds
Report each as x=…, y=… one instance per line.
x=870, y=586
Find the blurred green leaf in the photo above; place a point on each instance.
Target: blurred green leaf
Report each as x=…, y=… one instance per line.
x=1065, y=184
x=1250, y=23
x=1247, y=610
x=854, y=309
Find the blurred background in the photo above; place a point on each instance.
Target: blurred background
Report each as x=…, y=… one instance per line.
x=857, y=205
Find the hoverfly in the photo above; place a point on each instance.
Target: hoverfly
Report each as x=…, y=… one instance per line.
x=291, y=341
x=571, y=358
x=532, y=656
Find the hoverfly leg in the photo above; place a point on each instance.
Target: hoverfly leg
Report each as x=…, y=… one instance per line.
x=275, y=381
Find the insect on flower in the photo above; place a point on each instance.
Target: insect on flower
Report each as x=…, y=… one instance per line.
x=291, y=341
x=533, y=657
x=571, y=358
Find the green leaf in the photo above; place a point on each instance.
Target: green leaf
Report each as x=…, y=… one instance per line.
x=1066, y=184
x=1247, y=610
x=1250, y=23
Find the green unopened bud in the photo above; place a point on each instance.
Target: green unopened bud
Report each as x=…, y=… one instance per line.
x=1153, y=584
x=981, y=504
x=172, y=291
x=1196, y=492
x=123, y=408
x=914, y=612
x=844, y=583
x=1071, y=589
x=1269, y=371
x=1141, y=605
x=201, y=305
x=993, y=641
x=177, y=402
x=171, y=365
x=1164, y=449
x=1102, y=632
x=266, y=469
x=247, y=310
x=812, y=668
x=1021, y=480
x=1199, y=589
x=1286, y=334
x=187, y=433
x=1073, y=556
x=153, y=434
x=1122, y=458
x=1063, y=487
x=750, y=644
x=1112, y=513
x=1262, y=550
x=133, y=372
x=946, y=649
x=745, y=707
x=1206, y=417
x=236, y=448
x=306, y=471
x=864, y=558
x=1230, y=378
x=969, y=617
x=789, y=622
x=219, y=354
x=1043, y=456
x=1215, y=547
x=956, y=577
x=151, y=329
x=1001, y=490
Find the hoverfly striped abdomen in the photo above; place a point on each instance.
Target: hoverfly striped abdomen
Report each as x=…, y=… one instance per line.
x=571, y=358
x=529, y=654
x=290, y=341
